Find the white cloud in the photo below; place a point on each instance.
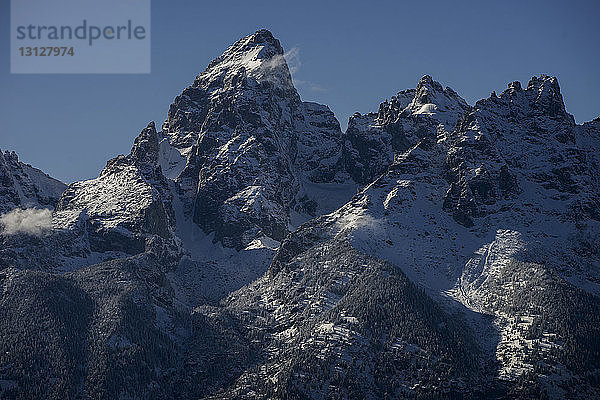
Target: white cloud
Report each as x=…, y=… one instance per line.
x=31, y=221
x=309, y=85
x=292, y=57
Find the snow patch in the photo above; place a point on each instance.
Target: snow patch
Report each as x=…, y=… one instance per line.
x=171, y=159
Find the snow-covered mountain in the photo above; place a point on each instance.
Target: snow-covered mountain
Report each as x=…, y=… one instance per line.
x=248, y=146
x=374, y=139
x=23, y=186
x=491, y=220
x=250, y=249
x=240, y=162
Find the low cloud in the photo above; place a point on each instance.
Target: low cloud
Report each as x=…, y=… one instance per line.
x=292, y=57
x=31, y=221
x=309, y=85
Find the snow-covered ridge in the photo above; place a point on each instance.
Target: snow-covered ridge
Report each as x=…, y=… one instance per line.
x=249, y=148
x=498, y=208
x=21, y=185
x=230, y=254
x=374, y=139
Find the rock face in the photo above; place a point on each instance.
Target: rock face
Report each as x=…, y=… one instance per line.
x=482, y=220
x=127, y=206
x=250, y=143
x=372, y=140
x=125, y=211
x=522, y=135
x=230, y=254
x=23, y=186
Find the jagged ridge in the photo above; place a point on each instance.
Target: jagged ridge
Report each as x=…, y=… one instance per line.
x=467, y=263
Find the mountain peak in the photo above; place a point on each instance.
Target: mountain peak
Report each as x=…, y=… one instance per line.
x=262, y=39
x=425, y=86
x=264, y=36
x=516, y=86
x=426, y=79
x=547, y=93
x=431, y=98
x=542, y=95
x=145, y=147
x=258, y=56
x=22, y=185
x=543, y=81
x=428, y=98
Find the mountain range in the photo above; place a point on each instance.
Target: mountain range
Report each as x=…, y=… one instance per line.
x=249, y=248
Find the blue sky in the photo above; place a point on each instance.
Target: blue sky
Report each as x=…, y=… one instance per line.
x=353, y=55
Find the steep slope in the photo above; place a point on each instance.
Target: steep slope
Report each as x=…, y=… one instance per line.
x=374, y=139
x=336, y=323
x=126, y=210
x=511, y=258
x=26, y=197
x=240, y=155
x=467, y=265
x=126, y=205
x=250, y=145
x=249, y=161
x=23, y=186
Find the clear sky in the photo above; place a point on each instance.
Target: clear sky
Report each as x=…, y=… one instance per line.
x=352, y=55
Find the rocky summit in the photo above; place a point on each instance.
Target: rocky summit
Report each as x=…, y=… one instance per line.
x=248, y=248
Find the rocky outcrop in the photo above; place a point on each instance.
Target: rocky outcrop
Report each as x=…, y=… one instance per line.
x=230, y=256
x=372, y=140
x=523, y=134
x=251, y=143
x=125, y=209
x=23, y=186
